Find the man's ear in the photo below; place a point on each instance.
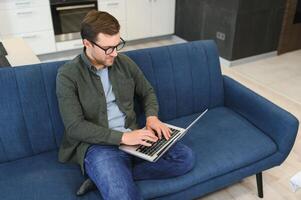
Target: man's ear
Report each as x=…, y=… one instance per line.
x=86, y=43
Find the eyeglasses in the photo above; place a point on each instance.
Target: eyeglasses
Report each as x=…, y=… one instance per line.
x=111, y=49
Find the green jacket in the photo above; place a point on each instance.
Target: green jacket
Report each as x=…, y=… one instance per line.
x=83, y=105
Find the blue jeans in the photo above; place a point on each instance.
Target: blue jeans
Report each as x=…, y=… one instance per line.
x=114, y=171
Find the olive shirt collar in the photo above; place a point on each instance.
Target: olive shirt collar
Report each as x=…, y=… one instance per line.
x=87, y=62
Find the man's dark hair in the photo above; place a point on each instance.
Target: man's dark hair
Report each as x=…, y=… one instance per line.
x=96, y=22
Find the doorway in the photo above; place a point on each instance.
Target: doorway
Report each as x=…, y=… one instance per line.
x=290, y=37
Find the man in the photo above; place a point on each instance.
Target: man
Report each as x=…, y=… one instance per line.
x=96, y=92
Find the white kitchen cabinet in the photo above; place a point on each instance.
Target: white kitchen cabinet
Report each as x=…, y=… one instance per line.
x=114, y=7
x=138, y=19
x=25, y=20
x=117, y=8
x=149, y=18
x=30, y=20
x=123, y=30
x=19, y=4
x=69, y=45
x=40, y=42
x=163, y=17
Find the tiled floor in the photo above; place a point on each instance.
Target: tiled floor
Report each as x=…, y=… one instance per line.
x=280, y=73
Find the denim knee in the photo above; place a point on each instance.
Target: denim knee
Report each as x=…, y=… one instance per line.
x=189, y=160
x=183, y=159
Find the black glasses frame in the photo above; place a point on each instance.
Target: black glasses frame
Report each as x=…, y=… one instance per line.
x=111, y=49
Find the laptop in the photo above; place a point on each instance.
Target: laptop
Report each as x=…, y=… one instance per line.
x=154, y=152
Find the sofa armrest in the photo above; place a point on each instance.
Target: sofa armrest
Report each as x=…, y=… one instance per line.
x=278, y=124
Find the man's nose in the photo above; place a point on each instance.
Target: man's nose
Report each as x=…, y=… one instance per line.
x=114, y=53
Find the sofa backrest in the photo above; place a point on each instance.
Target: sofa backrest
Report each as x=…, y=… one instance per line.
x=186, y=77
x=29, y=118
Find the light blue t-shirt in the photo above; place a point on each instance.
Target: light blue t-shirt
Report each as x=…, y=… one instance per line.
x=116, y=117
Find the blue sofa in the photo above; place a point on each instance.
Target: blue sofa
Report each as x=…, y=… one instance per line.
x=241, y=135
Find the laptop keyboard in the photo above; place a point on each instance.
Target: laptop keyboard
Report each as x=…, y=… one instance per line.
x=157, y=145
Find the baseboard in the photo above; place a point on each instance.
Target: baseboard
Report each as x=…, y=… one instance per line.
x=226, y=63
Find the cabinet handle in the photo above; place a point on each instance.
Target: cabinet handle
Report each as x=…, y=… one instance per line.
x=22, y=3
x=78, y=45
x=25, y=13
x=29, y=36
x=75, y=7
x=113, y=4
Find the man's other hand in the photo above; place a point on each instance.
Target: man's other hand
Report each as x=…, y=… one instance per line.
x=140, y=136
x=154, y=124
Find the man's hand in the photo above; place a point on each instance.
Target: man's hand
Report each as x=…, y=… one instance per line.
x=140, y=136
x=154, y=124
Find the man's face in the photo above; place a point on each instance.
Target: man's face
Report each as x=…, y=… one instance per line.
x=98, y=55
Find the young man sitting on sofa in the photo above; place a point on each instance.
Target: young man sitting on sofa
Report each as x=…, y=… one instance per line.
x=96, y=92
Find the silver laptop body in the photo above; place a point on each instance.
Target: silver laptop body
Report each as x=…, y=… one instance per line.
x=154, y=152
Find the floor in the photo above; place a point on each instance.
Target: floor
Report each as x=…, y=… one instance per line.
x=278, y=79
x=281, y=73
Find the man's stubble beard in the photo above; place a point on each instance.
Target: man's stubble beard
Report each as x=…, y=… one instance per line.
x=110, y=62
x=105, y=63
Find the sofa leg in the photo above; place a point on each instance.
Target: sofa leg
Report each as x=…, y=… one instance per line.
x=259, y=184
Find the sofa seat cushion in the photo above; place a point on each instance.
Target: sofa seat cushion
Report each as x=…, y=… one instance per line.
x=223, y=141
x=41, y=177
